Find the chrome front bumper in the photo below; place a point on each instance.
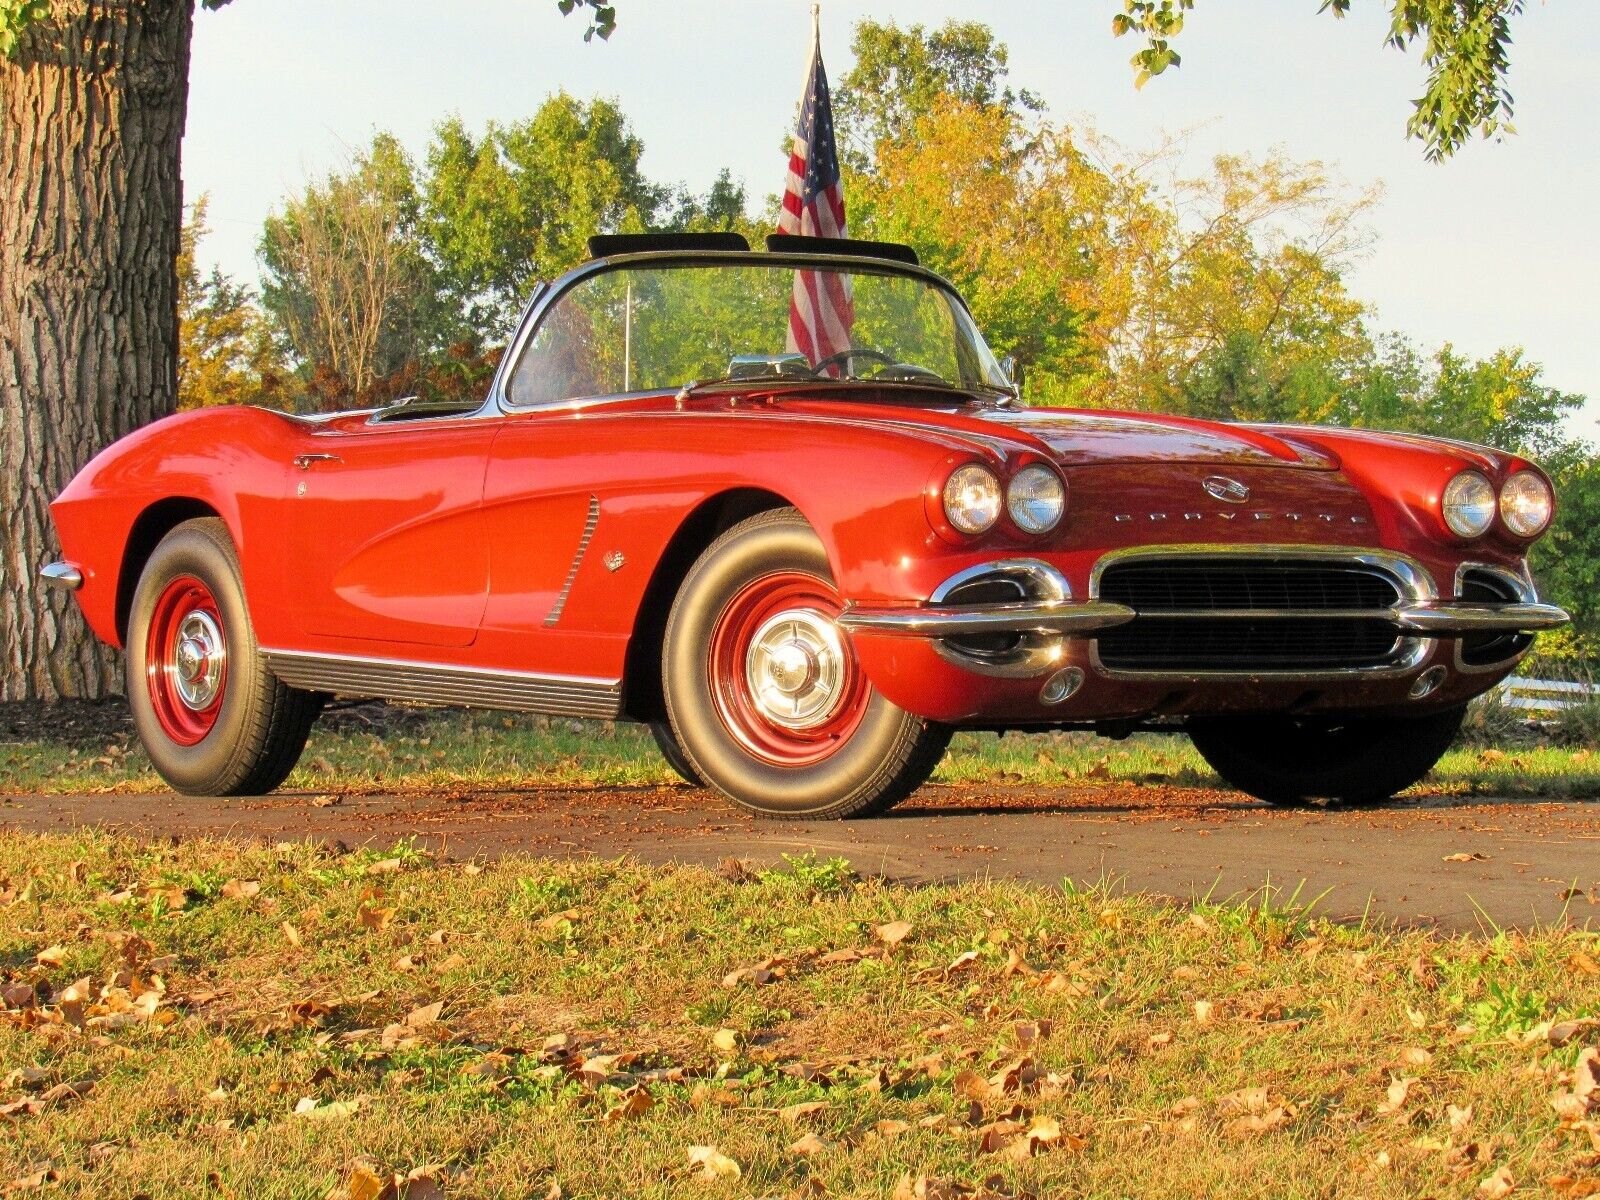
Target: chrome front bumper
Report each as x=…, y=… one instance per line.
x=1064, y=617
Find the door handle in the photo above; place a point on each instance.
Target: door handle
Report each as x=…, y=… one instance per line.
x=306, y=461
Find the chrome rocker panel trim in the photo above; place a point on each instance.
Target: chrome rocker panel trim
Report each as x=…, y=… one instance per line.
x=431, y=683
x=63, y=575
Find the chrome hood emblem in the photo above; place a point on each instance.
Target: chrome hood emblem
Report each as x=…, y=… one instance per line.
x=1230, y=491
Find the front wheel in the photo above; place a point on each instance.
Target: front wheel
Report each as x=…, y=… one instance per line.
x=1291, y=762
x=764, y=693
x=213, y=719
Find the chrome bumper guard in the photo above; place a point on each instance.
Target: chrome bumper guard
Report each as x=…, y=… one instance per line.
x=1419, y=619
x=63, y=575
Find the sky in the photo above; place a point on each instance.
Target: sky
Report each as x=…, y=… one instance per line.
x=1496, y=247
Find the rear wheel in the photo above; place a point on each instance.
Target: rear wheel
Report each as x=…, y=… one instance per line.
x=1291, y=762
x=765, y=697
x=213, y=719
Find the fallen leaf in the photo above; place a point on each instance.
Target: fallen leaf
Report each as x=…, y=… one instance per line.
x=1583, y=964
x=367, y=1183
x=1202, y=1011
x=291, y=934
x=1416, y=1056
x=1473, y=857
x=426, y=1015
x=713, y=1164
x=727, y=1040
x=634, y=1102
x=241, y=889
x=808, y=1145
x=893, y=933
x=51, y=956
x=799, y=1112
x=1395, y=1097
x=1496, y=1184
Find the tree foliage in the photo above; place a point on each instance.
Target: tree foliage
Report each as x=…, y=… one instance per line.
x=226, y=351
x=517, y=202
x=1466, y=48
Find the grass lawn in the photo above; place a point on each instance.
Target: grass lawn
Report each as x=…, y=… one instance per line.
x=216, y=1019
x=429, y=749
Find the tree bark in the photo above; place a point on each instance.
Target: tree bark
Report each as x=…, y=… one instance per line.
x=91, y=204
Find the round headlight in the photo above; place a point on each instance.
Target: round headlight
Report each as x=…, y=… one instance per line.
x=1469, y=503
x=1036, y=498
x=972, y=498
x=1526, y=504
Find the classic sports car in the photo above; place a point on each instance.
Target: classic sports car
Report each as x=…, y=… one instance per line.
x=803, y=571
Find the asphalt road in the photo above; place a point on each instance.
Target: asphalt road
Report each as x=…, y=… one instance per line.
x=1401, y=862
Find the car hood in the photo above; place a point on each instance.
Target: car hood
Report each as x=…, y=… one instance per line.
x=1080, y=438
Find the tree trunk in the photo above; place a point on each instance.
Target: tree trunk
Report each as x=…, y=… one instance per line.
x=91, y=203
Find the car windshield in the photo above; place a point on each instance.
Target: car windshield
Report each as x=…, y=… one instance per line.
x=660, y=325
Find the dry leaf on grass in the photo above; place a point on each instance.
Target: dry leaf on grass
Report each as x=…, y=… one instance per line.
x=809, y=1145
x=712, y=1164
x=51, y=956
x=727, y=1040
x=1395, y=1098
x=800, y=1112
x=1496, y=1184
x=634, y=1102
x=893, y=933
x=241, y=889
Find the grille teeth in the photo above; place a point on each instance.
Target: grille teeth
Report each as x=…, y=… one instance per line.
x=1154, y=642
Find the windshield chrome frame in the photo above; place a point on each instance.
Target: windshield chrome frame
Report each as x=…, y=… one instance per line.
x=546, y=296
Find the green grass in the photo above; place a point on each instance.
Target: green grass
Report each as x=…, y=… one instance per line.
x=468, y=751
x=1240, y=1050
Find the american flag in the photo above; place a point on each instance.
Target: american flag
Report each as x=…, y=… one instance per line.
x=821, y=312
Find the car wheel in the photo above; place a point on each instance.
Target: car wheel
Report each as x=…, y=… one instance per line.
x=1291, y=762
x=213, y=719
x=764, y=693
x=667, y=743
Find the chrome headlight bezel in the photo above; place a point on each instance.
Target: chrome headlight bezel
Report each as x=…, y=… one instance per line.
x=973, y=499
x=1527, y=503
x=1036, y=499
x=1468, y=504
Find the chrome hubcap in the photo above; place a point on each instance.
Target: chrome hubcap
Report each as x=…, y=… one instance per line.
x=198, y=659
x=795, y=669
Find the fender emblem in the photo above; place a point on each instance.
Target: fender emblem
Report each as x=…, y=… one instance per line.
x=614, y=560
x=1230, y=491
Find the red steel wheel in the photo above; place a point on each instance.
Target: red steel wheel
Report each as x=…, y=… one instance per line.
x=784, y=681
x=186, y=665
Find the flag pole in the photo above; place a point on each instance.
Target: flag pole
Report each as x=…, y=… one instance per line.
x=816, y=24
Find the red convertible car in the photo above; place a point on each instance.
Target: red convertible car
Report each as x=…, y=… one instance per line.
x=803, y=573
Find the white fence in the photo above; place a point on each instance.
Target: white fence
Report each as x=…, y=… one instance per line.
x=1545, y=695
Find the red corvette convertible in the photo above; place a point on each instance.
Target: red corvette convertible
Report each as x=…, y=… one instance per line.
x=802, y=574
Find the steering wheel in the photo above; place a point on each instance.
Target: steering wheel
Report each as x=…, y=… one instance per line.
x=844, y=356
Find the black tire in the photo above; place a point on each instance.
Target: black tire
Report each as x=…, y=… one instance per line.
x=1291, y=763
x=259, y=727
x=667, y=743
x=871, y=765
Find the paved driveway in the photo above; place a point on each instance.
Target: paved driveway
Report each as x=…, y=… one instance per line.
x=1402, y=862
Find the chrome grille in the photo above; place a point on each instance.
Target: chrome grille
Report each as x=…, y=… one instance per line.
x=1248, y=614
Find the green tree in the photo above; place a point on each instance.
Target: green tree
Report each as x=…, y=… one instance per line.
x=899, y=75
x=226, y=351
x=1466, y=48
x=347, y=279
x=516, y=203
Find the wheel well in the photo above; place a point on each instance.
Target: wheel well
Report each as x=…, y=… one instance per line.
x=642, y=672
x=154, y=523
